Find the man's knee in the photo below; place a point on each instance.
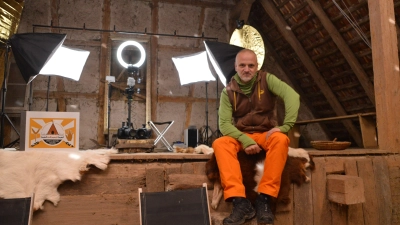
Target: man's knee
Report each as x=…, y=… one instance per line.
x=217, y=142
x=280, y=137
x=227, y=143
x=222, y=141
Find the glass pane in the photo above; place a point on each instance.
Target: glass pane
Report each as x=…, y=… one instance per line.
x=15, y=96
x=15, y=75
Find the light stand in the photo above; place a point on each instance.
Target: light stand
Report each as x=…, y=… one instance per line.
x=3, y=101
x=48, y=94
x=217, y=132
x=195, y=68
x=204, y=133
x=109, y=79
x=129, y=91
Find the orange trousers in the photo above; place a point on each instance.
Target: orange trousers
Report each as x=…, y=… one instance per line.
x=226, y=149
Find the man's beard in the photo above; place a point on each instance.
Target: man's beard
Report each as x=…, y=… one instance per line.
x=246, y=77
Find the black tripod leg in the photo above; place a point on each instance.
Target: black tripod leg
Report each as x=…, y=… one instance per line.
x=3, y=115
x=15, y=129
x=12, y=143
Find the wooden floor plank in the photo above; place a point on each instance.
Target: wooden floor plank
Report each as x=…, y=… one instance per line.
x=355, y=214
x=286, y=217
x=339, y=213
x=383, y=191
x=322, y=213
x=370, y=207
x=116, y=179
x=302, y=201
x=393, y=162
x=121, y=209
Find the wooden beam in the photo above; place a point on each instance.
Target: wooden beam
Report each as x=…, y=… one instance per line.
x=344, y=48
x=350, y=10
x=61, y=102
x=245, y=10
x=90, y=43
x=154, y=63
x=64, y=94
x=294, y=11
x=304, y=122
x=207, y=4
x=289, y=36
x=183, y=99
x=240, y=12
x=386, y=73
x=103, y=70
x=398, y=38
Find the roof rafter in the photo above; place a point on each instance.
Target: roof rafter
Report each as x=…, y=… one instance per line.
x=273, y=12
x=293, y=81
x=240, y=12
x=344, y=48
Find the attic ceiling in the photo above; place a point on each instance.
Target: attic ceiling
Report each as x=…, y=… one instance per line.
x=324, y=48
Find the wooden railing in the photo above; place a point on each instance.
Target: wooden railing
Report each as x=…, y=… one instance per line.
x=367, y=124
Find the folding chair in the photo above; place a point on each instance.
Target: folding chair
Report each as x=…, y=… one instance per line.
x=161, y=134
x=16, y=211
x=179, y=207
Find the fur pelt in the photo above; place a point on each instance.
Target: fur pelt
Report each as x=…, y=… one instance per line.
x=201, y=149
x=41, y=172
x=252, y=167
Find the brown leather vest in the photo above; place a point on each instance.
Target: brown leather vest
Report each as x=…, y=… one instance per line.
x=253, y=113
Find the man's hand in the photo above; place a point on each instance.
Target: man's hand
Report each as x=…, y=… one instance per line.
x=273, y=130
x=252, y=149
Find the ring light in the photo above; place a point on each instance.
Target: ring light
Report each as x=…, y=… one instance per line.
x=136, y=44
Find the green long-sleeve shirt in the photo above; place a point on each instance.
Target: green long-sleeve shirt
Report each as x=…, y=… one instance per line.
x=277, y=87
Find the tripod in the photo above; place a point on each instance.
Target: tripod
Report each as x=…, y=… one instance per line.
x=3, y=102
x=204, y=132
x=217, y=133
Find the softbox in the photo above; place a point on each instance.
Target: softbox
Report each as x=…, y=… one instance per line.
x=44, y=53
x=32, y=50
x=222, y=57
x=193, y=68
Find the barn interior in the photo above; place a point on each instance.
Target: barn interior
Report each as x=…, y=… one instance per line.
x=341, y=56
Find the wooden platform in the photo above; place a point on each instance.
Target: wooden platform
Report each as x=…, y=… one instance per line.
x=135, y=145
x=111, y=196
x=165, y=155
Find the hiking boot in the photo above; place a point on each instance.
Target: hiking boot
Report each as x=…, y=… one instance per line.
x=242, y=211
x=264, y=213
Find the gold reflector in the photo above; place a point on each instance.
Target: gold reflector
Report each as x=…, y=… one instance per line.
x=248, y=37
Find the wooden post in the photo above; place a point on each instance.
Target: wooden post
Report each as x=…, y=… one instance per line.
x=368, y=132
x=386, y=72
x=294, y=136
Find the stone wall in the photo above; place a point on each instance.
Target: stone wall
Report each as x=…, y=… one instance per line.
x=169, y=101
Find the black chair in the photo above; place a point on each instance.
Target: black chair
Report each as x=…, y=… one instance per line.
x=16, y=211
x=179, y=207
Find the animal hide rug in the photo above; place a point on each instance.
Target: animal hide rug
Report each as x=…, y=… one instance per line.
x=41, y=172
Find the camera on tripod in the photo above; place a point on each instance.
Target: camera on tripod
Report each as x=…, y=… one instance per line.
x=128, y=132
x=129, y=91
x=143, y=133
